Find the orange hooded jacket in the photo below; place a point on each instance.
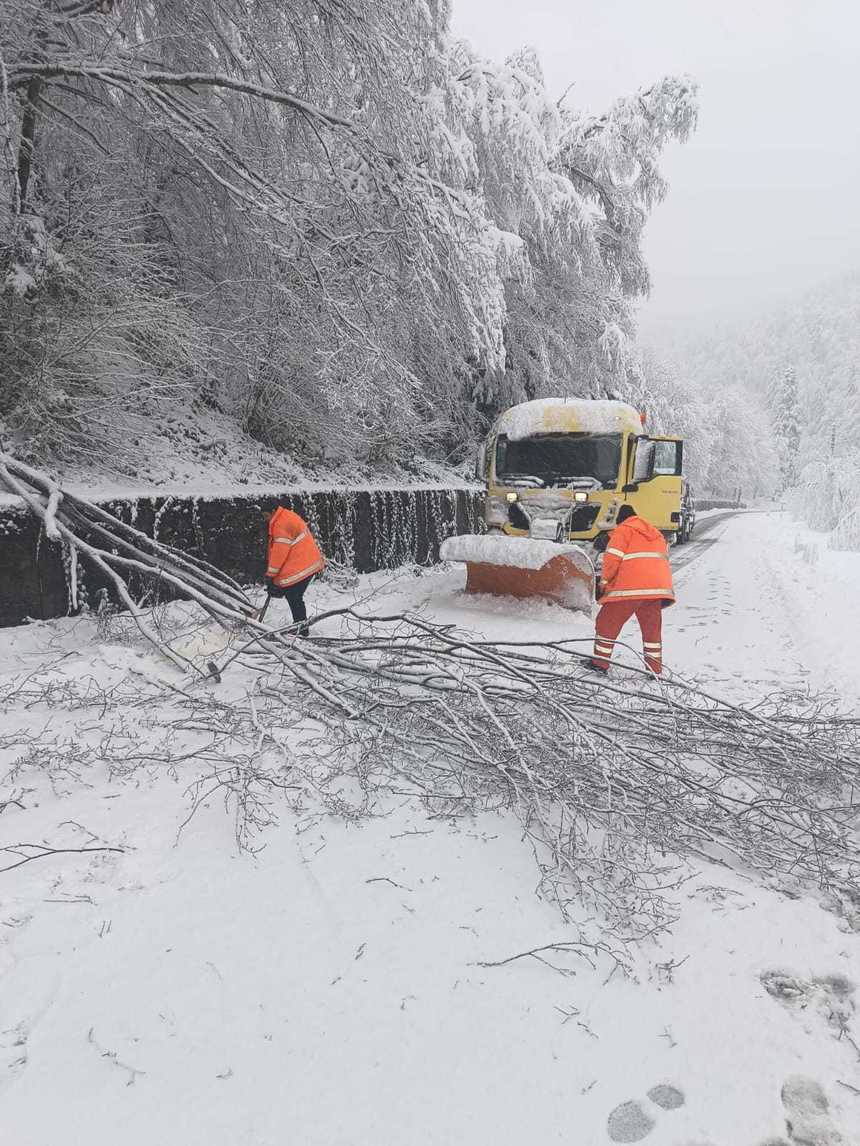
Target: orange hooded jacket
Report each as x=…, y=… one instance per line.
x=636, y=564
x=293, y=553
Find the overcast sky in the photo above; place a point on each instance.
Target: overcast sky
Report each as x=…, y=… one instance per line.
x=764, y=198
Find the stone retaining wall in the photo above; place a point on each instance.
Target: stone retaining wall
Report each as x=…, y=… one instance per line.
x=364, y=529
x=717, y=503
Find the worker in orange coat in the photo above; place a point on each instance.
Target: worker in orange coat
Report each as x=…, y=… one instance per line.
x=636, y=581
x=294, y=560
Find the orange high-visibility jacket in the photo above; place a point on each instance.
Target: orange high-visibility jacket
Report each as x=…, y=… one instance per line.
x=636, y=564
x=293, y=553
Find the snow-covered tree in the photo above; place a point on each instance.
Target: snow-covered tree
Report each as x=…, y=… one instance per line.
x=785, y=412
x=277, y=158
x=331, y=222
x=570, y=195
x=729, y=443
x=744, y=455
x=674, y=406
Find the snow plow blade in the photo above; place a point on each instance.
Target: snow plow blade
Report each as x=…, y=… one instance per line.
x=524, y=567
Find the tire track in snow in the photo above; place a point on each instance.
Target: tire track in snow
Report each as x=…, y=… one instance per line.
x=692, y=550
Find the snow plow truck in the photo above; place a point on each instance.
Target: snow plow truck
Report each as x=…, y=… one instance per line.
x=557, y=472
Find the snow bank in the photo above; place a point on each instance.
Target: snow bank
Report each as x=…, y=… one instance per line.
x=514, y=552
x=189, y=452
x=573, y=415
x=102, y=490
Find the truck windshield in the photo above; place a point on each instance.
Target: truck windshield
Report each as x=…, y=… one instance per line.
x=556, y=459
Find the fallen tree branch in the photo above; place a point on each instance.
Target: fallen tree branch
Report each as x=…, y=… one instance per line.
x=570, y=946
x=41, y=851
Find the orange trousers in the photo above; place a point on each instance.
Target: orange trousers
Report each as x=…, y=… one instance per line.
x=611, y=620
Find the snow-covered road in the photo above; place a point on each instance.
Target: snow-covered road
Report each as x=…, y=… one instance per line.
x=329, y=991
x=768, y=604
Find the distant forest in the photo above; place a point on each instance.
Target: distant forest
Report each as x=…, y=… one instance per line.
x=799, y=367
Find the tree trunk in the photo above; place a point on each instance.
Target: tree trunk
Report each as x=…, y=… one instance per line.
x=27, y=145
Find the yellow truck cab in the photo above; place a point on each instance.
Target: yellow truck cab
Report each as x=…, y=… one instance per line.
x=561, y=469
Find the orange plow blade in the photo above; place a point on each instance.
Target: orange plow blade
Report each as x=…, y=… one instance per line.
x=524, y=567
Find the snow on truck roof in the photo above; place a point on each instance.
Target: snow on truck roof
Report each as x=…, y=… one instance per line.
x=568, y=415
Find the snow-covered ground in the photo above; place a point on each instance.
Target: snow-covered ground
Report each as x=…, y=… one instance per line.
x=329, y=990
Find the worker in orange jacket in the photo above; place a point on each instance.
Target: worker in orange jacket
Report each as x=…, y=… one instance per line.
x=294, y=560
x=636, y=581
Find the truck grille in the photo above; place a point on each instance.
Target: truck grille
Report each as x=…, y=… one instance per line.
x=580, y=518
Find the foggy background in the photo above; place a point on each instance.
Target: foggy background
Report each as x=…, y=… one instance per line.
x=763, y=198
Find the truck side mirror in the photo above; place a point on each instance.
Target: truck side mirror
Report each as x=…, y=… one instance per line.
x=481, y=463
x=643, y=463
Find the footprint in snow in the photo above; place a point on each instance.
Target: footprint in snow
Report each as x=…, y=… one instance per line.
x=807, y=1115
x=633, y=1120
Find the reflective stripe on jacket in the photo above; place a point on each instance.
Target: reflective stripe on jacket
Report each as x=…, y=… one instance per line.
x=636, y=564
x=293, y=553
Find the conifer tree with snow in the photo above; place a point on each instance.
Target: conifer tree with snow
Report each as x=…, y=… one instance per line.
x=785, y=412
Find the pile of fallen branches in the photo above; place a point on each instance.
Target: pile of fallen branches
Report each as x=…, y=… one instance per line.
x=613, y=781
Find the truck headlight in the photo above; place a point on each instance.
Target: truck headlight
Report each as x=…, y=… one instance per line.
x=580, y=495
x=511, y=497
